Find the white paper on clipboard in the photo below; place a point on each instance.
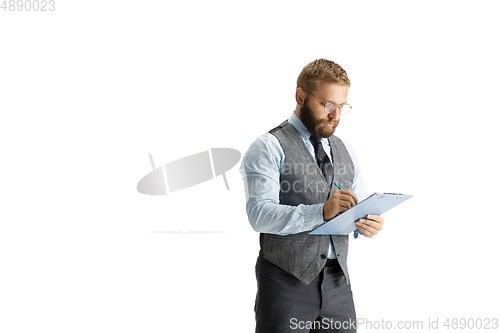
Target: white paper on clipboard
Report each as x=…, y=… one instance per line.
x=375, y=204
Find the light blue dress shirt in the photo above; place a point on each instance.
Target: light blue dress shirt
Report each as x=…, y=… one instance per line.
x=261, y=168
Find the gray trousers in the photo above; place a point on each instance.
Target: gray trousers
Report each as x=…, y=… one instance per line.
x=286, y=305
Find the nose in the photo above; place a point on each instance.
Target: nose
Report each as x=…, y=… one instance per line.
x=335, y=114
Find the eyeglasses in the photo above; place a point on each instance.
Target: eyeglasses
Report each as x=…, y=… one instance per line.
x=330, y=107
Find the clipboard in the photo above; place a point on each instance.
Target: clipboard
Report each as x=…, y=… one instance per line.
x=375, y=204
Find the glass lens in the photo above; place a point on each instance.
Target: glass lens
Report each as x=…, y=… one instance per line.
x=330, y=108
x=345, y=109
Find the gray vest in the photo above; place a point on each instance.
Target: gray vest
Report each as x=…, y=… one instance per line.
x=302, y=182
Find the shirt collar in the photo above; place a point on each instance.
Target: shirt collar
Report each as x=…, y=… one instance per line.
x=301, y=128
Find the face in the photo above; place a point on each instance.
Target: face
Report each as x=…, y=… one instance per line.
x=312, y=113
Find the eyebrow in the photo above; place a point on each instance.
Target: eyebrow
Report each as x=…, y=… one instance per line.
x=333, y=102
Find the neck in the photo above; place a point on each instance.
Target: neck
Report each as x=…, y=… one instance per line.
x=297, y=112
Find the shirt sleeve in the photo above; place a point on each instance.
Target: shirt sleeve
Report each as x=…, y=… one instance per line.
x=261, y=169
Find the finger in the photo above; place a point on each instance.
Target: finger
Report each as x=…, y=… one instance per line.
x=374, y=224
x=340, y=197
x=370, y=225
x=367, y=222
x=376, y=218
x=347, y=198
x=367, y=230
x=350, y=193
x=354, y=196
x=345, y=204
x=364, y=231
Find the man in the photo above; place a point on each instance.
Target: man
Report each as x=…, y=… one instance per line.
x=290, y=175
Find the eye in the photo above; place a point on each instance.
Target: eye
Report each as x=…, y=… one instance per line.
x=331, y=105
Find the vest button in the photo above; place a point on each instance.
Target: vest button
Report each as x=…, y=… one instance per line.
x=323, y=256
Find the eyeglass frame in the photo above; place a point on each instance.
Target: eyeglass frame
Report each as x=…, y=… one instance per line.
x=336, y=107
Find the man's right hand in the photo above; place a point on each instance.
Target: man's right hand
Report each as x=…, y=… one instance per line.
x=338, y=202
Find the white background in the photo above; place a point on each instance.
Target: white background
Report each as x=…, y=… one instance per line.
x=87, y=91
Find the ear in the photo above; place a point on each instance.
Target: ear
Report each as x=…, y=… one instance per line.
x=300, y=96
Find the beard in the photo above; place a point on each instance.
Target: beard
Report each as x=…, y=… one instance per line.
x=316, y=126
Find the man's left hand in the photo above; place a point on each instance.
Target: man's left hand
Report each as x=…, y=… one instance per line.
x=371, y=225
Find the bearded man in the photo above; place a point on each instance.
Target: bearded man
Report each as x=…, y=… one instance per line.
x=290, y=175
